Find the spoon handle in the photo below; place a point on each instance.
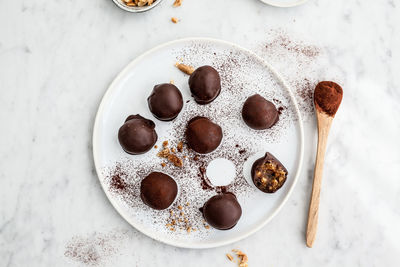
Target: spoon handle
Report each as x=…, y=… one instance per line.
x=324, y=124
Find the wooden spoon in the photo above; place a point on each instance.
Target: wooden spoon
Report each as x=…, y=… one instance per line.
x=327, y=99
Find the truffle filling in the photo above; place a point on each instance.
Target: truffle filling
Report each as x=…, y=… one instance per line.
x=270, y=176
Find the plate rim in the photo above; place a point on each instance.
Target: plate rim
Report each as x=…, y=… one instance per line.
x=111, y=88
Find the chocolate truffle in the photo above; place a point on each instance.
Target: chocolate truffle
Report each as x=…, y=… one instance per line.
x=222, y=211
x=202, y=135
x=259, y=113
x=268, y=173
x=137, y=135
x=205, y=84
x=158, y=190
x=165, y=101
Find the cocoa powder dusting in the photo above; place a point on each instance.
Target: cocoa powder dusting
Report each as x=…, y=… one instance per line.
x=298, y=63
x=95, y=249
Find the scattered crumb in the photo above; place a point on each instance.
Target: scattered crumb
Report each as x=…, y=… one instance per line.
x=243, y=260
x=180, y=146
x=229, y=256
x=175, y=160
x=155, y=146
x=163, y=164
x=168, y=154
x=185, y=68
x=174, y=20
x=177, y=3
x=172, y=82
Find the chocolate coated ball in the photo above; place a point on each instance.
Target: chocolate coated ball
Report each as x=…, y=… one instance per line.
x=202, y=135
x=259, y=113
x=137, y=135
x=205, y=84
x=222, y=211
x=165, y=101
x=268, y=173
x=158, y=190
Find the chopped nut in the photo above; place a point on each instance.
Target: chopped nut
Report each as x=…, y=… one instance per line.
x=175, y=160
x=174, y=20
x=177, y=3
x=139, y=3
x=207, y=226
x=180, y=207
x=185, y=68
x=229, y=256
x=166, y=153
x=189, y=229
x=172, y=82
x=163, y=164
x=155, y=146
x=179, y=147
x=173, y=150
x=242, y=258
x=163, y=153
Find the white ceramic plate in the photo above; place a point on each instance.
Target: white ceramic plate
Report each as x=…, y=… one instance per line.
x=284, y=3
x=127, y=95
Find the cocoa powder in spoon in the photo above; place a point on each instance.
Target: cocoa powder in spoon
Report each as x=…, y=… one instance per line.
x=327, y=97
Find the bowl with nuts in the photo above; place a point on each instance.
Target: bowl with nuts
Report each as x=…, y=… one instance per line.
x=136, y=6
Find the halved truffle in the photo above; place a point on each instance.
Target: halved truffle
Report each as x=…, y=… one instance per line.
x=137, y=135
x=205, y=84
x=202, y=135
x=268, y=173
x=158, y=190
x=222, y=211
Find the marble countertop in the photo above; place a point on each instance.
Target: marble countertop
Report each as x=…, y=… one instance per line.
x=58, y=58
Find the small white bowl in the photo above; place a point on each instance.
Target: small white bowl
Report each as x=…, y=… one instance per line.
x=284, y=3
x=136, y=9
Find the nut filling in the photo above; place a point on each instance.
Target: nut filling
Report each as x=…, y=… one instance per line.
x=268, y=174
x=269, y=177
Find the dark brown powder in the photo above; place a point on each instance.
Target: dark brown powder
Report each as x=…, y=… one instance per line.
x=328, y=96
x=94, y=249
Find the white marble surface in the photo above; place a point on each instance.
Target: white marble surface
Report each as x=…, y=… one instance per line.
x=57, y=59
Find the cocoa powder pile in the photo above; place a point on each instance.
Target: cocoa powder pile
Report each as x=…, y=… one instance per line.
x=328, y=96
